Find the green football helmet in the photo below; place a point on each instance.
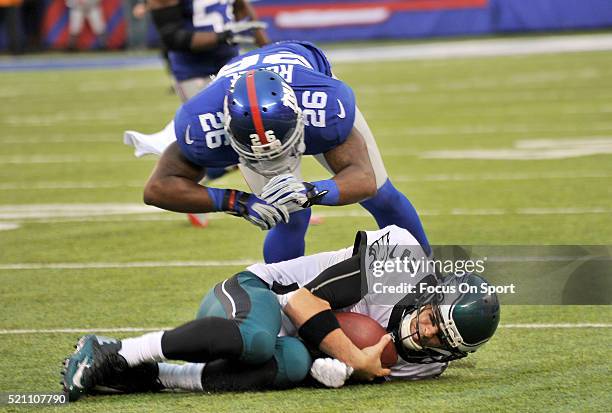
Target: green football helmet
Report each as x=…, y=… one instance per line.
x=465, y=320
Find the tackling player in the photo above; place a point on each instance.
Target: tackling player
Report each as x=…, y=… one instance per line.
x=246, y=333
x=263, y=111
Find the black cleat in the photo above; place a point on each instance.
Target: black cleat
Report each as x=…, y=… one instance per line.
x=95, y=361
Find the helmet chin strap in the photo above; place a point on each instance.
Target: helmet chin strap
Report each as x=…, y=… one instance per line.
x=407, y=338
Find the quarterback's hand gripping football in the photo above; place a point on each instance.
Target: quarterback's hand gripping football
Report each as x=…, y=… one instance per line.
x=246, y=205
x=370, y=366
x=241, y=32
x=287, y=190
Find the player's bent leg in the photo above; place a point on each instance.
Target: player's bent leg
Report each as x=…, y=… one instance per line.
x=286, y=241
x=391, y=207
x=288, y=368
x=247, y=302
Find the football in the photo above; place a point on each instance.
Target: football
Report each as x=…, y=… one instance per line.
x=365, y=332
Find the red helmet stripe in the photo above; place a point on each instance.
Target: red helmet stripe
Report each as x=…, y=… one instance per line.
x=257, y=121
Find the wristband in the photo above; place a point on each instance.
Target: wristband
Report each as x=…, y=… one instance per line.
x=332, y=196
x=217, y=196
x=317, y=327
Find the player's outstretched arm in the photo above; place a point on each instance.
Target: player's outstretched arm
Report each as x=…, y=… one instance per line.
x=173, y=186
x=354, y=179
x=319, y=327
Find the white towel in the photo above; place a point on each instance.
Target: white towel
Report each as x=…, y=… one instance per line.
x=154, y=144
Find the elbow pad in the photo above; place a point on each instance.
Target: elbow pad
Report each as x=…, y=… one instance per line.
x=169, y=23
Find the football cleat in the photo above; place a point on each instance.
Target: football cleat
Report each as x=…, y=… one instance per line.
x=95, y=361
x=143, y=378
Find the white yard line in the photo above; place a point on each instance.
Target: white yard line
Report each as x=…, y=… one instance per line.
x=510, y=176
x=147, y=329
x=517, y=176
x=143, y=264
x=54, y=213
x=63, y=159
x=18, y=186
x=490, y=129
x=76, y=139
x=562, y=325
x=228, y=263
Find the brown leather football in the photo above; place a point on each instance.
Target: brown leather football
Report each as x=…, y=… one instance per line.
x=365, y=332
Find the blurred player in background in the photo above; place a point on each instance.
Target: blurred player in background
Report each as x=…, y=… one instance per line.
x=263, y=111
x=9, y=23
x=81, y=10
x=200, y=37
x=246, y=333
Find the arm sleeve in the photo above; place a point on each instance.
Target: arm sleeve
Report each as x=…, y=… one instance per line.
x=342, y=284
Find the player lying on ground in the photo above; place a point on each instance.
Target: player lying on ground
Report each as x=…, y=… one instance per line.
x=254, y=330
x=263, y=111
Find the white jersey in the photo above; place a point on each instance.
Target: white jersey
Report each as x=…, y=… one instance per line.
x=300, y=271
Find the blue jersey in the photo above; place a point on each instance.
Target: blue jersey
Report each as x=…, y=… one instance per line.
x=209, y=16
x=328, y=104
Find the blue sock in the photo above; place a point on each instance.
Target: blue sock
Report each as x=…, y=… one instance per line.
x=286, y=241
x=391, y=207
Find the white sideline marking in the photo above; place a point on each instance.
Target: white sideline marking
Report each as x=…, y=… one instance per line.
x=147, y=329
x=143, y=264
x=474, y=48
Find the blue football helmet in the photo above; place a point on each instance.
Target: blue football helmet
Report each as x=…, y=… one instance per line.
x=264, y=123
x=465, y=321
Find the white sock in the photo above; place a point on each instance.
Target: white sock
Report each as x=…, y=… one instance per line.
x=142, y=349
x=181, y=376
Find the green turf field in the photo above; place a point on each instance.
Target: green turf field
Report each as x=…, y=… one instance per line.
x=64, y=170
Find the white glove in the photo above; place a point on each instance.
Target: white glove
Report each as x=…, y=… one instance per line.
x=330, y=372
x=267, y=216
x=286, y=190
